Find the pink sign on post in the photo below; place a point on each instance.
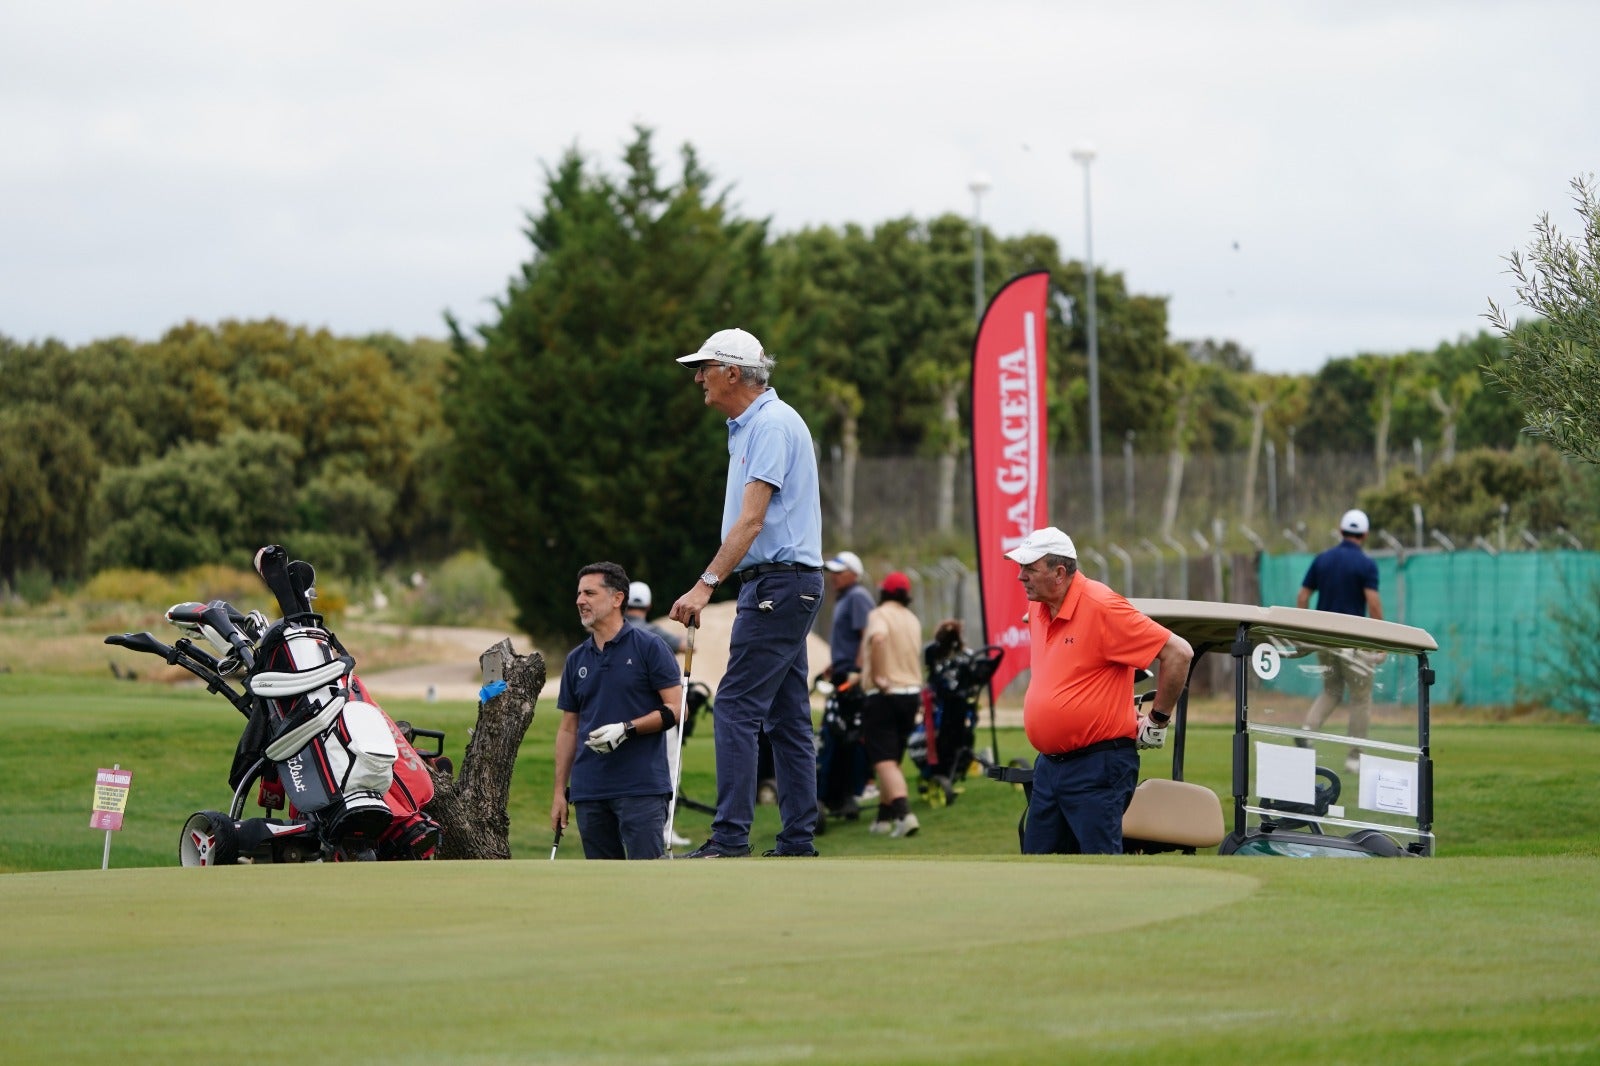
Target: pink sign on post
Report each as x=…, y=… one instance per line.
x=110, y=798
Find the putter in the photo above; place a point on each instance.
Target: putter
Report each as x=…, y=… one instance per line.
x=683, y=716
x=556, y=845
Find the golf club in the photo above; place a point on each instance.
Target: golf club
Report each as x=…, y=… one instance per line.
x=683, y=716
x=556, y=845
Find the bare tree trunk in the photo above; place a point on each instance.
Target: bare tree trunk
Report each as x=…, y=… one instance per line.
x=850, y=441
x=1381, y=433
x=1447, y=433
x=471, y=808
x=1169, y=506
x=1252, y=462
x=944, y=517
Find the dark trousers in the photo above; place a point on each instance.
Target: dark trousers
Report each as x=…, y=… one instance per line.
x=766, y=688
x=627, y=827
x=1078, y=803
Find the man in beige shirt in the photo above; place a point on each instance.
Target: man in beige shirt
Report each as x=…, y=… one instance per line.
x=891, y=668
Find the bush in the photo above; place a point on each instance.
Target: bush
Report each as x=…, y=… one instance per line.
x=465, y=590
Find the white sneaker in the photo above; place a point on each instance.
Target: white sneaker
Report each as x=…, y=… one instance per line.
x=881, y=827
x=905, y=827
x=868, y=794
x=767, y=794
x=1352, y=764
x=676, y=841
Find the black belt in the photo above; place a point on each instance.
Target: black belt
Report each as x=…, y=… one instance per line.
x=1089, y=749
x=772, y=568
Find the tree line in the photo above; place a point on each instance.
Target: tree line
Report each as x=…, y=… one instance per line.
x=562, y=430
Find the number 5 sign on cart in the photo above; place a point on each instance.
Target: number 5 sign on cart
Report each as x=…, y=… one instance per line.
x=110, y=800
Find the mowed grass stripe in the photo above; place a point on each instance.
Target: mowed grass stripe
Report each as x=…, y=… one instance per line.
x=126, y=956
x=1194, y=960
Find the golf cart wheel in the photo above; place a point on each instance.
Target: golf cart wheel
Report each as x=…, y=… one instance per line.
x=209, y=838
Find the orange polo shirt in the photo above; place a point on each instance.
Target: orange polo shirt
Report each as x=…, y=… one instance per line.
x=1081, y=690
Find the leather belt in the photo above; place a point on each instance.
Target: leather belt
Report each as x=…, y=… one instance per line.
x=772, y=568
x=1090, y=749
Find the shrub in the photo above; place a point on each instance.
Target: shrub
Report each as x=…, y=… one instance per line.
x=465, y=590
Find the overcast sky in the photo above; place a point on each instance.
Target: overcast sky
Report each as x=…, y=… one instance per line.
x=1308, y=179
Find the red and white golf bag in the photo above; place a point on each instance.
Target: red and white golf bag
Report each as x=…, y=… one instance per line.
x=338, y=756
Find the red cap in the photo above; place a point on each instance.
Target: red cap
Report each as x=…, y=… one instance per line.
x=895, y=581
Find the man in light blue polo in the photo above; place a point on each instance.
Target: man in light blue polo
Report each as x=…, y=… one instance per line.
x=772, y=543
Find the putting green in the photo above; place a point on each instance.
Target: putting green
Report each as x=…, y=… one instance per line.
x=533, y=961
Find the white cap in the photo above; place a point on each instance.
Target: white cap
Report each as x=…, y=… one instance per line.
x=638, y=594
x=1353, y=522
x=845, y=561
x=731, y=347
x=1042, y=542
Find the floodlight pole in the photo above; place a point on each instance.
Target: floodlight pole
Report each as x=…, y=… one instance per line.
x=979, y=185
x=1085, y=154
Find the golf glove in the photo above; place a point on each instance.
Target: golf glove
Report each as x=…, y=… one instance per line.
x=1150, y=734
x=607, y=738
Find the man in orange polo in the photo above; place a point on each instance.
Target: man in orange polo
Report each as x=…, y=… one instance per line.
x=1079, y=714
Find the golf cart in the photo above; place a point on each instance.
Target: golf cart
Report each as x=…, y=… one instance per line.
x=1289, y=775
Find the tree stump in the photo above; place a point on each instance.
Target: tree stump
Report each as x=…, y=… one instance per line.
x=471, y=808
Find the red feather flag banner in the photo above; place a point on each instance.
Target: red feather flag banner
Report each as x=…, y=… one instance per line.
x=1009, y=458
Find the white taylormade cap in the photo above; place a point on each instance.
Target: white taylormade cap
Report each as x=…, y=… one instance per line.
x=731, y=347
x=1042, y=542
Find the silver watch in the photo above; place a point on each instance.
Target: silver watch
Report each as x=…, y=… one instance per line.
x=710, y=579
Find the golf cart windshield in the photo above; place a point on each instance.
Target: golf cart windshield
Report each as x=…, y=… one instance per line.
x=1330, y=746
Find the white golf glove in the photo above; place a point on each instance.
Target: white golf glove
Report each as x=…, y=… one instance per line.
x=1150, y=734
x=607, y=738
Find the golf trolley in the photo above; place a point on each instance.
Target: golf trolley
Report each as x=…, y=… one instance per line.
x=1286, y=792
x=315, y=745
x=943, y=745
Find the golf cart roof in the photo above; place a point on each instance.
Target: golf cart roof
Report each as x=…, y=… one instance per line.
x=1203, y=622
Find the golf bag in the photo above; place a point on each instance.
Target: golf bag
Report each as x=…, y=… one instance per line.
x=314, y=746
x=942, y=746
x=841, y=759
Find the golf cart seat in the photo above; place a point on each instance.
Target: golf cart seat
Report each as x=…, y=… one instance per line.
x=1171, y=816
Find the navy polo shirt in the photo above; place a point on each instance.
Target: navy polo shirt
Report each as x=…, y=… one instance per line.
x=618, y=683
x=849, y=619
x=1340, y=576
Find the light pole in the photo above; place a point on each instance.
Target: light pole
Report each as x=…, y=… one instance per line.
x=1084, y=154
x=979, y=185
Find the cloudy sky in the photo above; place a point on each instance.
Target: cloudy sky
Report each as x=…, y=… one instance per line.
x=1309, y=179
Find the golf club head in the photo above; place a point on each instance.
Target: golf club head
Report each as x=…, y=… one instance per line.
x=303, y=576
x=272, y=563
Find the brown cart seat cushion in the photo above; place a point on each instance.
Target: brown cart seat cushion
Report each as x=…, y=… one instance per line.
x=1174, y=812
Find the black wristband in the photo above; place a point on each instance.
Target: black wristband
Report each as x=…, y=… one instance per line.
x=1159, y=719
x=668, y=719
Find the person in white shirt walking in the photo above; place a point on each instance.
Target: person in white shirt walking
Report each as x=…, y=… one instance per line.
x=891, y=666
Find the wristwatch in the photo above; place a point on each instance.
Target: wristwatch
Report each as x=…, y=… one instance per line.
x=710, y=579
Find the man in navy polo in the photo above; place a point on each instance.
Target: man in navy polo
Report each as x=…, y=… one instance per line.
x=772, y=542
x=618, y=691
x=1346, y=582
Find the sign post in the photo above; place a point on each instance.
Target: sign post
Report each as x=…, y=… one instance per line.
x=110, y=800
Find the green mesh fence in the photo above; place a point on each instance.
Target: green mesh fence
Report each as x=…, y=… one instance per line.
x=1491, y=614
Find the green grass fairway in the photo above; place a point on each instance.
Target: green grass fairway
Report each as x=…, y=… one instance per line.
x=943, y=948
x=835, y=961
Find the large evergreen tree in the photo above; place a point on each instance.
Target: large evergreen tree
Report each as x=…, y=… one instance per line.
x=577, y=436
